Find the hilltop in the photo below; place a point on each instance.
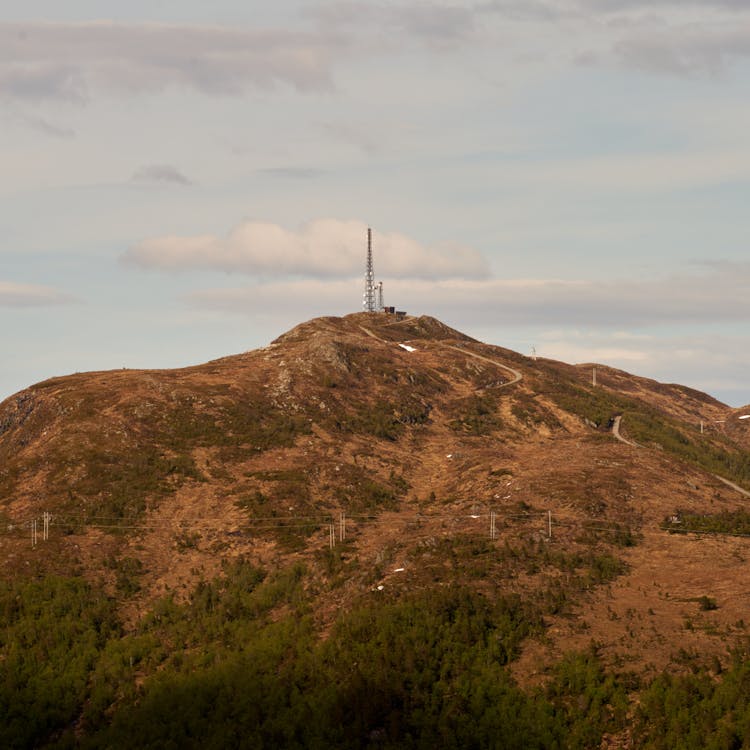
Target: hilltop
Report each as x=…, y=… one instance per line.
x=389, y=459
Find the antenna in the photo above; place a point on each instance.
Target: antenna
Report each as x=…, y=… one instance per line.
x=368, y=301
x=381, y=305
x=533, y=353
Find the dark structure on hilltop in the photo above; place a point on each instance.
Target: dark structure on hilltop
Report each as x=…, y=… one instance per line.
x=372, y=300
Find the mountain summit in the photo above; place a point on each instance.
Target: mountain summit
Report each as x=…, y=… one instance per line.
x=391, y=456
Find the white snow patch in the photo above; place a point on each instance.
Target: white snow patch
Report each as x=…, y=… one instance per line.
x=381, y=587
x=407, y=347
x=449, y=455
x=474, y=516
x=399, y=570
x=744, y=416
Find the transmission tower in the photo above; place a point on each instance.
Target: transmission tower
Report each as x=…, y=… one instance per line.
x=381, y=303
x=369, y=297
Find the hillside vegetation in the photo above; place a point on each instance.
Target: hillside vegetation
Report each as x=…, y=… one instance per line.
x=372, y=533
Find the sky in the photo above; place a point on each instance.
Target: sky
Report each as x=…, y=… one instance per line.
x=181, y=180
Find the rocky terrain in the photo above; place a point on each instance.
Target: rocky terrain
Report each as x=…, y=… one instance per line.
x=393, y=458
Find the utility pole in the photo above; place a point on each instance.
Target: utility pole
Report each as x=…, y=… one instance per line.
x=331, y=535
x=593, y=377
x=33, y=533
x=342, y=526
x=46, y=517
x=493, y=526
x=549, y=525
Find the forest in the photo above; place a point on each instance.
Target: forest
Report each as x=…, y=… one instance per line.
x=242, y=663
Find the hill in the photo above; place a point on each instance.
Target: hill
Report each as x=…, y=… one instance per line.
x=383, y=483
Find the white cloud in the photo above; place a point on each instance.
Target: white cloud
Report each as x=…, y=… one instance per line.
x=76, y=61
x=291, y=301
x=709, y=298
x=70, y=60
x=29, y=295
x=325, y=248
x=564, y=351
x=680, y=300
x=654, y=331
x=715, y=364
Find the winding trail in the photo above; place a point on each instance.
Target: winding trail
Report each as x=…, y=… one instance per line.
x=618, y=436
x=517, y=376
x=732, y=485
x=372, y=335
x=727, y=482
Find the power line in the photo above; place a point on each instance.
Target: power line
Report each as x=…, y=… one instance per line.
x=250, y=526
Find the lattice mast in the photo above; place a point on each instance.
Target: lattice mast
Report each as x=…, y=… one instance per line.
x=368, y=300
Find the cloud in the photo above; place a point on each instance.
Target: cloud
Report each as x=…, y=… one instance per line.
x=76, y=61
x=635, y=172
x=41, y=80
x=692, y=37
x=293, y=173
x=674, y=329
x=436, y=24
x=684, y=50
x=160, y=173
x=292, y=300
x=69, y=60
x=716, y=364
x=680, y=300
x=661, y=36
x=361, y=137
x=46, y=127
x=325, y=248
x=28, y=295
x=639, y=5
x=702, y=299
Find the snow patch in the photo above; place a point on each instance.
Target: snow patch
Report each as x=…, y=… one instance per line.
x=744, y=416
x=407, y=347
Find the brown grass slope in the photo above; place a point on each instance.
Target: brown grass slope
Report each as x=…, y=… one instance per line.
x=155, y=477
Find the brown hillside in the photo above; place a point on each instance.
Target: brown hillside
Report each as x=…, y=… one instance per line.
x=421, y=436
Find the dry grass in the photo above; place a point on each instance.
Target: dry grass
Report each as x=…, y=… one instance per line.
x=411, y=445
